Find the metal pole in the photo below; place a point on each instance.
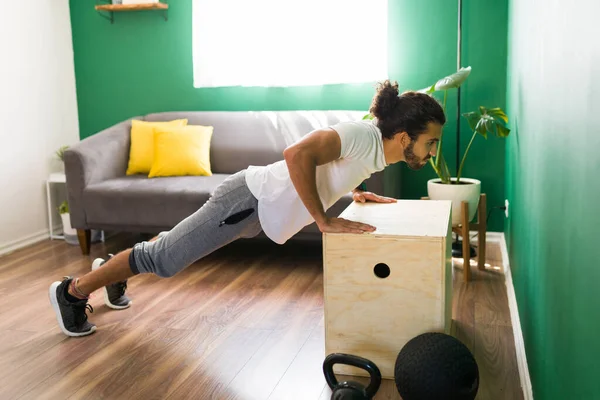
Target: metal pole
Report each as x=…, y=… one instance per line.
x=458, y=65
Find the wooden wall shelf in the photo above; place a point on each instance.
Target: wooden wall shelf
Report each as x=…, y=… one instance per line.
x=132, y=7
x=112, y=8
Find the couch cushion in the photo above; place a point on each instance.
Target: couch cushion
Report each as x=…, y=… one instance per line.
x=182, y=151
x=137, y=200
x=141, y=150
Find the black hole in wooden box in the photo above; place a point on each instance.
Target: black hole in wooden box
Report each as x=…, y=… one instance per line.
x=381, y=270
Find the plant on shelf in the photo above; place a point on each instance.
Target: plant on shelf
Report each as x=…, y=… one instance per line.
x=63, y=208
x=60, y=157
x=60, y=153
x=68, y=231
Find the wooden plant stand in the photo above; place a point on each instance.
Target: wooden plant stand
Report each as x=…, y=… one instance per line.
x=463, y=229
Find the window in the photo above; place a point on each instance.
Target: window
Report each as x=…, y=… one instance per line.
x=288, y=43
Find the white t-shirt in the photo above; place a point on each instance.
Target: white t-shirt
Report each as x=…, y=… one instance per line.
x=282, y=213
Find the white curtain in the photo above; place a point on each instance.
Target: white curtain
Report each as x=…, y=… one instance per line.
x=289, y=42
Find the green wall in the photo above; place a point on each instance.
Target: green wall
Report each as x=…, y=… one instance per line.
x=485, y=30
x=553, y=187
x=430, y=53
x=142, y=64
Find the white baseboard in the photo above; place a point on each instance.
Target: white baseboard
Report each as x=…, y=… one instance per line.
x=516, y=324
x=44, y=234
x=6, y=248
x=499, y=238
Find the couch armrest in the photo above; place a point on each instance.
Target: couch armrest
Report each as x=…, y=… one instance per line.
x=102, y=156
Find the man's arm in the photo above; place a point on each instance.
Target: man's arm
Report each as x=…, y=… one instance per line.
x=317, y=148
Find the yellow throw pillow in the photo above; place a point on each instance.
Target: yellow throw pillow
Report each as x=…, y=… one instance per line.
x=180, y=151
x=141, y=152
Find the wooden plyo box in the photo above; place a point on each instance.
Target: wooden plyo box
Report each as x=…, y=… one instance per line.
x=375, y=316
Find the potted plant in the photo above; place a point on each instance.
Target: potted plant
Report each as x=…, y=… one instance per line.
x=482, y=121
x=60, y=154
x=69, y=233
x=63, y=208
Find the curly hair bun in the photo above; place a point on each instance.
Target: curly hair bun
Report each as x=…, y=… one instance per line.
x=386, y=100
x=409, y=112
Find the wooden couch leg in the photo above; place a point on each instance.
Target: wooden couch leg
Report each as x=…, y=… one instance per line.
x=85, y=238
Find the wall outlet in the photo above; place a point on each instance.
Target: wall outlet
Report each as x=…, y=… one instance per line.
x=506, y=208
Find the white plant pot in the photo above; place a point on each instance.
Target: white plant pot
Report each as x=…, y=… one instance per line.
x=467, y=190
x=69, y=233
x=66, y=222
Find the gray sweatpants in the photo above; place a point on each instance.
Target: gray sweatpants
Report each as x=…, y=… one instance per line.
x=231, y=213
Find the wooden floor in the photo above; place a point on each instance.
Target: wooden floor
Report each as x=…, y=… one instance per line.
x=245, y=323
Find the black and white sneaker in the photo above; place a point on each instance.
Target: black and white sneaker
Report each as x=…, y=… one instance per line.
x=114, y=294
x=71, y=316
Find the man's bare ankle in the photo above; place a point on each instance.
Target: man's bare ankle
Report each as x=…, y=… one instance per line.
x=75, y=292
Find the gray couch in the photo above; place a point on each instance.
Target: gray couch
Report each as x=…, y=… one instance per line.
x=102, y=197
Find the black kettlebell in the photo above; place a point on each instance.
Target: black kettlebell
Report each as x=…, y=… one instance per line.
x=351, y=390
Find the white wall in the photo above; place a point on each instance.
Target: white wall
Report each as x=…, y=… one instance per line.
x=38, y=112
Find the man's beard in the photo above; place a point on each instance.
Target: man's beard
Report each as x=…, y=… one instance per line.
x=414, y=162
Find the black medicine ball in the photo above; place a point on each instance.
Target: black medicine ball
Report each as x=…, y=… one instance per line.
x=436, y=366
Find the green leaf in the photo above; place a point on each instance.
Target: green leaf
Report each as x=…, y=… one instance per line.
x=368, y=116
x=449, y=82
x=453, y=81
x=498, y=114
x=63, y=208
x=439, y=172
x=480, y=127
x=428, y=89
x=60, y=153
x=445, y=170
x=472, y=118
x=490, y=126
x=502, y=131
x=439, y=149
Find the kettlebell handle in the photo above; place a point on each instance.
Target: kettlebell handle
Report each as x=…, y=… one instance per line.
x=355, y=361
